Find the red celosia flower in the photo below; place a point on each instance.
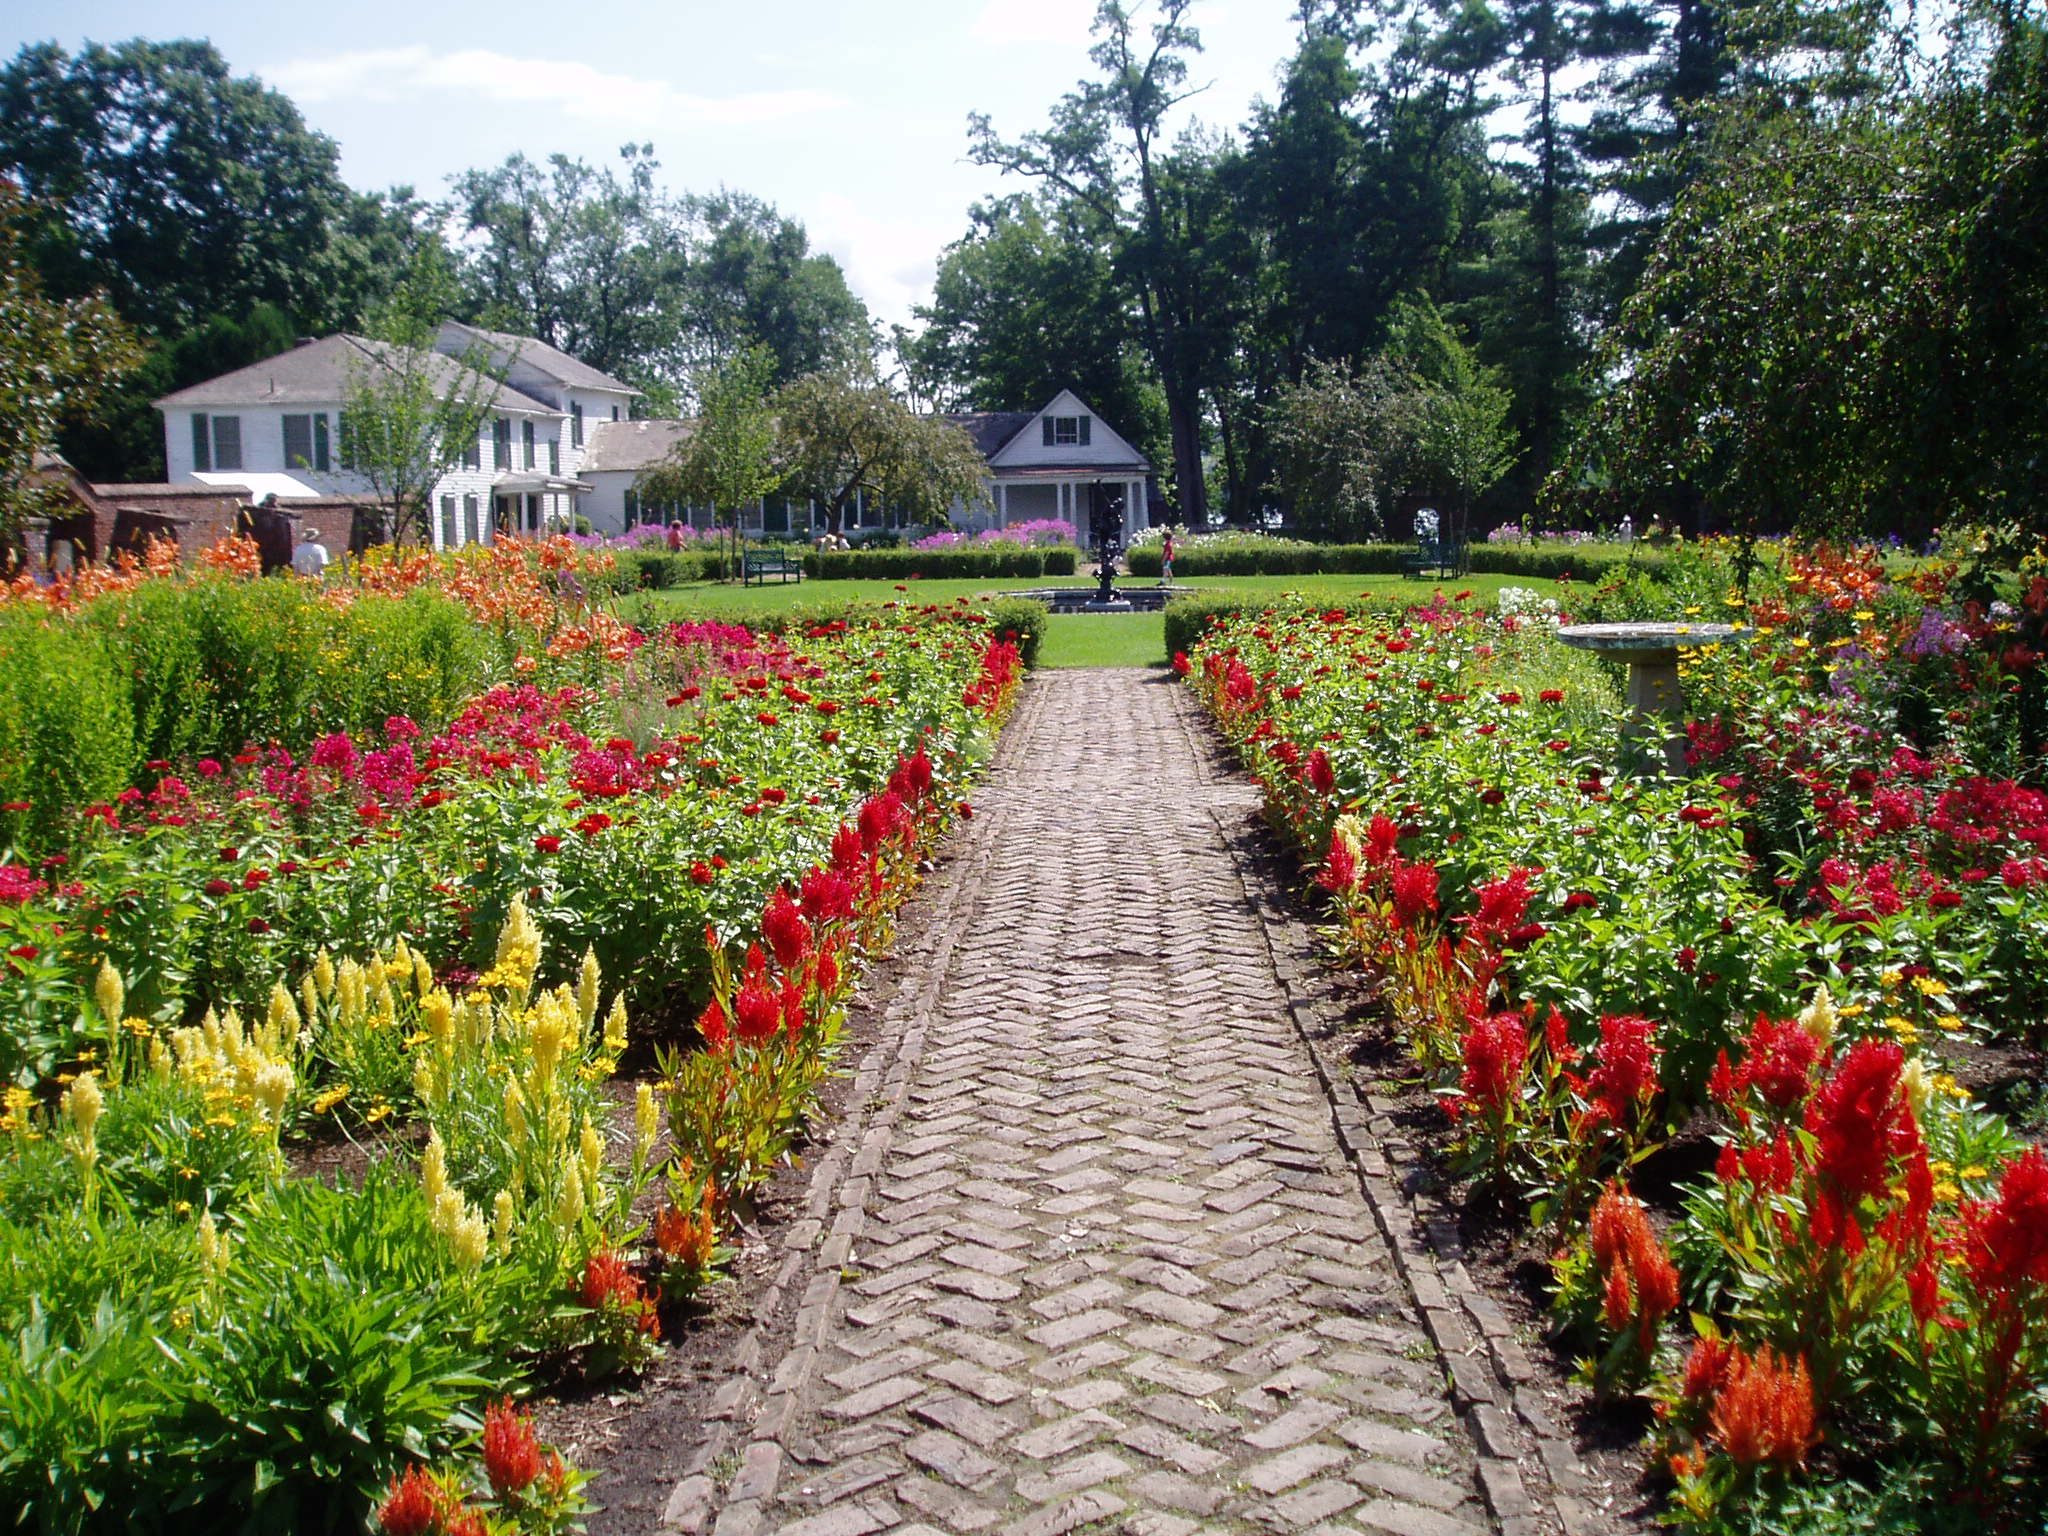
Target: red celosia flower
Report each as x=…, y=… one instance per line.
x=1317, y=772
x=1780, y=1061
x=825, y=972
x=2005, y=1239
x=1496, y=1054
x=711, y=1025
x=1382, y=840
x=758, y=1012
x=1503, y=903
x=1859, y=1120
x=1764, y=1412
x=1340, y=866
x=608, y=1282
x=882, y=820
x=414, y=1504
x=847, y=851
x=827, y=896
x=1626, y=1075
x=788, y=935
x=1414, y=892
x=512, y=1457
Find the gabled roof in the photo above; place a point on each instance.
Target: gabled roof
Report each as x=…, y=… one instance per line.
x=542, y=358
x=991, y=430
x=320, y=372
x=630, y=445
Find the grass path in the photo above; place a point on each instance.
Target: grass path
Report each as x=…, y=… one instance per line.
x=1071, y=640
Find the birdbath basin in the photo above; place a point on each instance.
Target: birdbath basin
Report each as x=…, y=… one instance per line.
x=1651, y=651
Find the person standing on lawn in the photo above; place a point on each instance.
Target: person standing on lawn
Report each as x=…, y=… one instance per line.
x=1166, y=560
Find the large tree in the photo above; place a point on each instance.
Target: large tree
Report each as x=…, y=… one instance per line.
x=58, y=358
x=1106, y=151
x=656, y=287
x=179, y=189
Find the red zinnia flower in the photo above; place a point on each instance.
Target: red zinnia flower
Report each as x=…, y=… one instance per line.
x=547, y=844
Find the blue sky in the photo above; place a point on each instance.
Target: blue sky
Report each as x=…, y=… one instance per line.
x=850, y=116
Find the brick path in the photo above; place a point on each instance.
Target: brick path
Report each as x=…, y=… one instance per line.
x=1089, y=1253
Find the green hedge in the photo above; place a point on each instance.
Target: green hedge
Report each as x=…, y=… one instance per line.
x=1549, y=562
x=1258, y=559
x=961, y=562
x=653, y=570
x=1018, y=616
x=1188, y=619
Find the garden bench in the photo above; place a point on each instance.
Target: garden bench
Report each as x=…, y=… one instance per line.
x=1442, y=558
x=758, y=568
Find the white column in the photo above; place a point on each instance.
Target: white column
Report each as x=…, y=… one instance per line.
x=1002, y=504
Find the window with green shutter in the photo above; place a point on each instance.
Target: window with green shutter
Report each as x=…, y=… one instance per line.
x=202, y=446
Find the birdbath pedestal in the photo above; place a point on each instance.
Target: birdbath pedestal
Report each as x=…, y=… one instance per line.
x=1654, y=697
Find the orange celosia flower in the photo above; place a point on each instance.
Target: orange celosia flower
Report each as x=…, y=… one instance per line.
x=1765, y=1410
x=512, y=1456
x=1641, y=1281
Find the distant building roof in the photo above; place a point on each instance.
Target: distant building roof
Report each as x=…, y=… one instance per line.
x=320, y=373
x=541, y=357
x=630, y=445
x=991, y=430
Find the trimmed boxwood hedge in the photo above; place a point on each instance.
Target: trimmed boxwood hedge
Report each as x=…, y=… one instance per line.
x=1187, y=619
x=960, y=562
x=1253, y=559
x=1549, y=562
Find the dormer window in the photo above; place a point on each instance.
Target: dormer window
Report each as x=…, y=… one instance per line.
x=1066, y=431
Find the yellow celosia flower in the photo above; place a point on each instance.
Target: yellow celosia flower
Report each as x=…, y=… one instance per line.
x=1818, y=1017
x=592, y=1149
x=503, y=1214
x=108, y=992
x=323, y=973
x=646, y=1121
x=587, y=980
x=82, y=1105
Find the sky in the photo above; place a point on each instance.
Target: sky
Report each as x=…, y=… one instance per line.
x=848, y=115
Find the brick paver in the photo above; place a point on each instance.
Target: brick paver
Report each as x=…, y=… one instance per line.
x=1099, y=1261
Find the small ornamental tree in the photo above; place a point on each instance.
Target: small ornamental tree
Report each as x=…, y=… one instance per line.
x=842, y=434
x=729, y=457
x=409, y=413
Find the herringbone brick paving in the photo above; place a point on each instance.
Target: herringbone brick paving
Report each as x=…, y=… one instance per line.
x=1104, y=1263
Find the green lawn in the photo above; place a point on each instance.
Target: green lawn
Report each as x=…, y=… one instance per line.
x=1071, y=639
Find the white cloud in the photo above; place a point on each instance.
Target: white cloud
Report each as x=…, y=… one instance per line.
x=889, y=262
x=1062, y=23
x=575, y=89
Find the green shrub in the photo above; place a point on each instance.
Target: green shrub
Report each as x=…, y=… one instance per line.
x=1550, y=562
x=1276, y=557
x=1024, y=618
x=67, y=732
x=963, y=562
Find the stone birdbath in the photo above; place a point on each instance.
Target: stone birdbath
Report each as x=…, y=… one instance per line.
x=1654, y=697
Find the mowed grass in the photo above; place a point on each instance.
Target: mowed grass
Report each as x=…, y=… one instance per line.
x=1071, y=639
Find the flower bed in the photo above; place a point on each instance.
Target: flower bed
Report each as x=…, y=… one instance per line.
x=1783, y=954
x=440, y=939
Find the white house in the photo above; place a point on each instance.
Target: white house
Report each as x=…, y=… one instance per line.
x=560, y=442
x=1062, y=461
x=274, y=427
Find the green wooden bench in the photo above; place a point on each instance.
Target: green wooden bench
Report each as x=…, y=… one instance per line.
x=758, y=568
x=1441, y=558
